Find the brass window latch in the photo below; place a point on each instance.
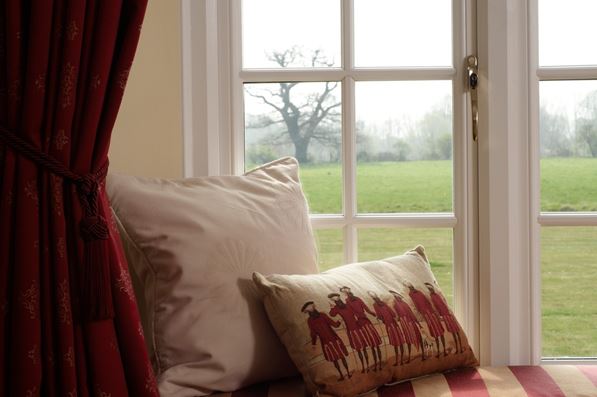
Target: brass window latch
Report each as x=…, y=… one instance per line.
x=473, y=81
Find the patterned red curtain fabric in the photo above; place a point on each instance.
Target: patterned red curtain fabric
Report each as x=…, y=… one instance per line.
x=63, y=68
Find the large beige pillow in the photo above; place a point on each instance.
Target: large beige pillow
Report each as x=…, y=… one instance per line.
x=354, y=328
x=194, y=243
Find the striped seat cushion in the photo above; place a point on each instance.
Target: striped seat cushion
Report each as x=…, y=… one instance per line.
x=514, y=381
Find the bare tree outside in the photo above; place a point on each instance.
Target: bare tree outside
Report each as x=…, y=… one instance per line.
x=556, y=140
x=300, y=118
x=586, y=123
x=570, y=135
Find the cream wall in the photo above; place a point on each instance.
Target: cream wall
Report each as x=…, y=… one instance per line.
x=147, y=137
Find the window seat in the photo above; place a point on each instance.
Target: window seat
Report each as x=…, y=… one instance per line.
x=512, y=381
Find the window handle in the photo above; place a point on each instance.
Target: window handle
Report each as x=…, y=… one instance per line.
x=473, y=82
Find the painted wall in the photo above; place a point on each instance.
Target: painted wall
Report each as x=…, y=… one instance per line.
x=147, y=138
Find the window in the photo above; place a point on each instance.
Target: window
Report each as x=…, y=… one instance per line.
x=564, y=102
x=375, y=118
x=495, y=276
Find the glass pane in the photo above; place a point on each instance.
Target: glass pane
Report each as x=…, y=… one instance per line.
x=330, y=244
x=567, y=32
x=291, y=34
x=403, y=33
x=404, y=146
x=301, y=120
x=384, y=243
x=569, y=296
x=568, y=128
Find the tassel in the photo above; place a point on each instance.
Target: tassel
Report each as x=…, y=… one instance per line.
x=96, y=289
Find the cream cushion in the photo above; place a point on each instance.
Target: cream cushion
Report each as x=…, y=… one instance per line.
x=193, y=245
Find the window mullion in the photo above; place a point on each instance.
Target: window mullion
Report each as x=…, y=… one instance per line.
x=348, y=35
x=535, y=183
x=349, y=169
x=348, y=134
x=566, y=73
x=298, y=75
x=464, y=183
x=359, y=74
x=237, y=91
x=422, y=220
x=567, y=219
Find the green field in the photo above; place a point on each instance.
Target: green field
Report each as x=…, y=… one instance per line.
x=569, y=184
x=569, y=296
x=410, y=186
x=569, y=255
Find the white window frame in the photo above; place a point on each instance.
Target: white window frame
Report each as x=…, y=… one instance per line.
x=547, y=219
x=504, y=197
x=503, y=294
x=464, y=271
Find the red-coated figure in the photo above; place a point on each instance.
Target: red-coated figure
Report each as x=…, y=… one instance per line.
x=332, y=346
x=360, y=309
x=409, y=323
x=423, y=305
x=444, y=311
x=356, y=337
x=385, y=314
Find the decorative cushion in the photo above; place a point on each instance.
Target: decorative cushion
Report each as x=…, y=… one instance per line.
x=354, y=328
x=193, y=244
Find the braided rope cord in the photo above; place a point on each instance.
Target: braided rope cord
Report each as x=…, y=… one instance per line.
x=92, y=226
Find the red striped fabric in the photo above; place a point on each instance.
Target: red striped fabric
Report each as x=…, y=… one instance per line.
x=400, y=390
x=466, y=382
x=533, y=381
x=590, y=372
x=536, y=382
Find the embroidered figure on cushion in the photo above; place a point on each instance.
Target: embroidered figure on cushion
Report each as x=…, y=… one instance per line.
x=320, y=326
x=428, y=347
x=424, y=306
x=410, y=325
x=360, y=309
x=356, y=337
x=450, y=322
x=387, y=316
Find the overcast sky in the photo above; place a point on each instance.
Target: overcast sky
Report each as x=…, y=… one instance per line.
x=410, y=33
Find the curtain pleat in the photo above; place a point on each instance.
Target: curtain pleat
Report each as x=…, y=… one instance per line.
x=63, y=70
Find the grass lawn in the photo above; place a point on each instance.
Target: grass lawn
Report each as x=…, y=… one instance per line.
x=569, y=184
x=569, y=296
x=409, y=186
x=323, y=187
x=568, y=256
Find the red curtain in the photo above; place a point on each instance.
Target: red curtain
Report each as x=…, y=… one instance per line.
x=63, y=68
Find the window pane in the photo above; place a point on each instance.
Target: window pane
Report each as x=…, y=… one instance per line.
x=330, y=244
x=567, y=32
x=301, y=120
x=290, y=33
x=403, y=33
x=383, y=243
x=404, y=146
x=568, y=128
x=569, y=296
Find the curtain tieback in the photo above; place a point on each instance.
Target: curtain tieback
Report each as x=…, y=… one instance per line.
x=95, y=289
